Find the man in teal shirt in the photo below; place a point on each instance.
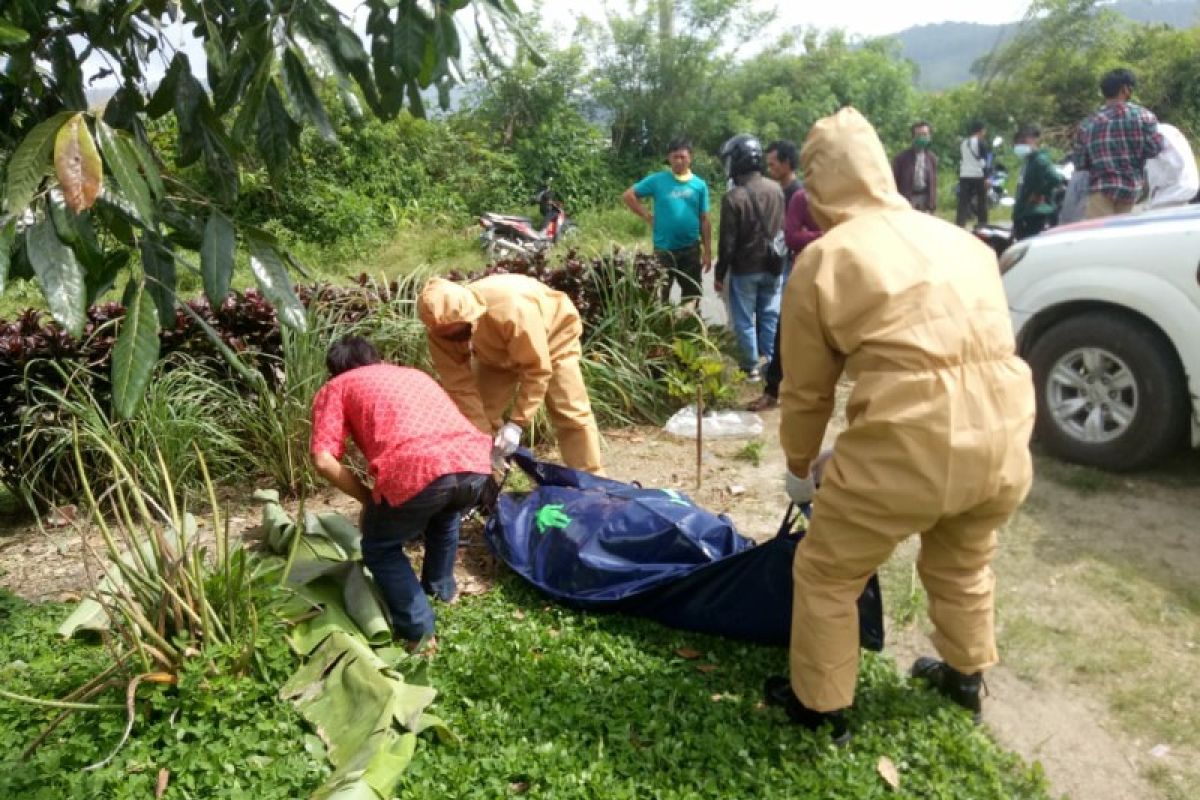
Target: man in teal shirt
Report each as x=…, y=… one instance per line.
x=682, y=231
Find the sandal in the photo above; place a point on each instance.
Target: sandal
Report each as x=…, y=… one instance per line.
x=763, y=403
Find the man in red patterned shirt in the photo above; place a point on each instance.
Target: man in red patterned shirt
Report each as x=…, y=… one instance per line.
x=1114, y=144
x=427, y=463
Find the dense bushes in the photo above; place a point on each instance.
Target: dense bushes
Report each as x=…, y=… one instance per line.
x=251, y=415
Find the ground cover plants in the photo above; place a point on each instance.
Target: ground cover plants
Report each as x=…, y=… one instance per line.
x=547, y=703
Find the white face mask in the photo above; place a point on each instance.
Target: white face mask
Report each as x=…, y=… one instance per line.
x=1022, y=150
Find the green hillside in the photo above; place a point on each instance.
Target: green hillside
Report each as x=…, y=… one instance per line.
x=944, y=52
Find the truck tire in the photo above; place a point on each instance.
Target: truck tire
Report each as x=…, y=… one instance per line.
x=1110, y=392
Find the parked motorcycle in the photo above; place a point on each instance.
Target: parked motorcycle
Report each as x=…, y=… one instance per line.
x=506, y=235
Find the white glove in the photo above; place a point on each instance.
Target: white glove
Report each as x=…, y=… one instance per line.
x=506, y=441
x=800, y=490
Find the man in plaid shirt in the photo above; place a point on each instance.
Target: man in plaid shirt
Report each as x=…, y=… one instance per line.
x=1115, y=144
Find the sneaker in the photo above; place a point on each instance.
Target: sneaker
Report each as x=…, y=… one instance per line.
x=753, y=376
x=965, y=690
x=778, y=692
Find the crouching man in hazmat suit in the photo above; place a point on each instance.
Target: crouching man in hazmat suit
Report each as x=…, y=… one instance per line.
x=912, y=310
x=511, y=333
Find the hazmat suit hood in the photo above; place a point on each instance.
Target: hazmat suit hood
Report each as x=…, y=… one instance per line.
x=444, y=303
x=846, y=172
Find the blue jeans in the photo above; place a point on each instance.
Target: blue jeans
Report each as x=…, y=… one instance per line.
x=435, y=512
x=754, y=313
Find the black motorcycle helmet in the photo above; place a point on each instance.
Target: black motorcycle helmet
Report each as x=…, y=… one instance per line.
x=741, y=154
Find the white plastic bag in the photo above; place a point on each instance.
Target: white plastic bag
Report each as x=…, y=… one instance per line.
x=717, y=424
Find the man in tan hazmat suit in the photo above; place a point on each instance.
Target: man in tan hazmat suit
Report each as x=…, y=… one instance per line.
x=912, y=310
x=511, y=333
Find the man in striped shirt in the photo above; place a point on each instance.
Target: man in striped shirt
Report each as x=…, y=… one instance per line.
x=1115, y=143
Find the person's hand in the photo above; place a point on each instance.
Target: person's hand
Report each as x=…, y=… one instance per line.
x=505, y=443
x=719, y=286
x=708, y=262
x=800, y=490
x=818, y=466
x=650, y=220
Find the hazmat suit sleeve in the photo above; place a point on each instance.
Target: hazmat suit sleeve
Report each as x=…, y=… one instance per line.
x=452, y=361
x=529, y=348
x=812, y=369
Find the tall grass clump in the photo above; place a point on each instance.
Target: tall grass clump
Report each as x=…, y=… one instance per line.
x=186, y=404
x=630, y=353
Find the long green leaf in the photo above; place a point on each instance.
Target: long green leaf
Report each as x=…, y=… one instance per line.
x=8, y=232
x=277, y=132
x=158, y=263
x=272, y=278
x=216, y=257
x=135, y=354
x=11, y=34
x=58, y=274
x=304, y=97
x=123, y=161
x=252, y=100
x=149, y=167
x=30, y=162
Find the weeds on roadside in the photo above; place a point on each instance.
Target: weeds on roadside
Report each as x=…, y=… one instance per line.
x=752, y=452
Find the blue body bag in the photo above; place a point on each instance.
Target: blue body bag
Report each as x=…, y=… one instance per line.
x=598, y=544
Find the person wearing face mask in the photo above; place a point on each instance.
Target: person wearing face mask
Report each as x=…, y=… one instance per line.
x=1035, y=208
x=915, y=170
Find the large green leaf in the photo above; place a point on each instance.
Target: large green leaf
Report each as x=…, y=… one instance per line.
x=8, y=232
x=58, y=274
x=123, y=161
x=304, y=97
x=277, y=132
x=158, y=264
x=31, y=161
x=272, y=278
x=135, y=353
x=216, y=257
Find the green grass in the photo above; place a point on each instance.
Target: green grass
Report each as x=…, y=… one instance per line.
x=751, y=452
x=557, y=704
x=548, y=703
x=219, y=736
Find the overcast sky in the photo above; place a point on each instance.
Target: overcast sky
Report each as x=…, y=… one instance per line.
x=863, y=17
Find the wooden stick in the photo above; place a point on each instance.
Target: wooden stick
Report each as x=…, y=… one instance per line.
x=699, y=433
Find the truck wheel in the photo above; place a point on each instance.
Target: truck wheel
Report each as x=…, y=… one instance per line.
x=1110, y=392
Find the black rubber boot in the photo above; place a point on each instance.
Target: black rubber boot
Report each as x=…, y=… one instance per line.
x=778, y=692
x=965, y=690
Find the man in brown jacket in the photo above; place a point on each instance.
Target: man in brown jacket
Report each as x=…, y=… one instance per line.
x=915, y=170
x=911, y=309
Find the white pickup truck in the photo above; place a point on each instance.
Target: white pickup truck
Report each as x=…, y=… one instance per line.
x=1107, y=313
